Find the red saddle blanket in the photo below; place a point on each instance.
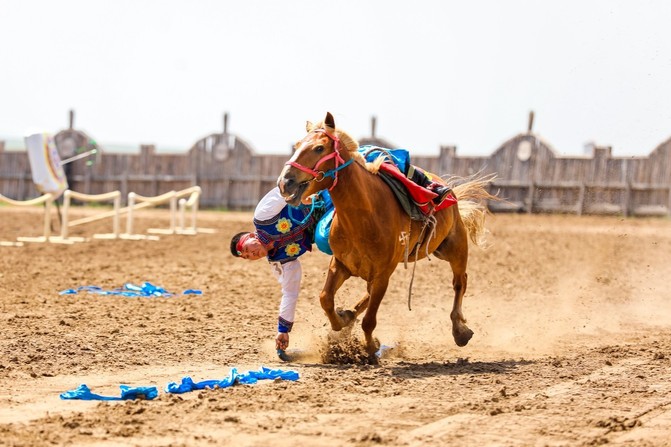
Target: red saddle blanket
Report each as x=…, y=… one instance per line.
x=422, y=197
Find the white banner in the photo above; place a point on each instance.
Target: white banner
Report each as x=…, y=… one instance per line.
x=45, y=163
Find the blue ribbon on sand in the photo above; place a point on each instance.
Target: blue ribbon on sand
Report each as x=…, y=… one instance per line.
x=248, y=378
x=127, y=393
x=147, y=289
x=151, y=392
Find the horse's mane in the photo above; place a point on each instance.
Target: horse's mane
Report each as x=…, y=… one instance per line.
x=352, y=146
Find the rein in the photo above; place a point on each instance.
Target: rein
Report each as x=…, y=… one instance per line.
x=316, y=203
x=429, y=222
x=340, y=162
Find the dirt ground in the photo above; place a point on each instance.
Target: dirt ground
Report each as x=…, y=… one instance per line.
x=572, y=345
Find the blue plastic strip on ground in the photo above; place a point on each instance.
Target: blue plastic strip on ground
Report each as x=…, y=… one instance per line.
x=147, y=289
x=127, y=393
x=248, y=378
x=151, y=392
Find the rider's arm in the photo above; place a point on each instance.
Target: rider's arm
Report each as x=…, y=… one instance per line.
x=270, y=205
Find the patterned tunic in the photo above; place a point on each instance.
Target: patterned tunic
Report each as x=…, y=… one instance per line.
x=289, y=231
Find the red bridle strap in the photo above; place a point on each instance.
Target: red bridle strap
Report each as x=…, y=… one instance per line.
x=314, y=172
x=335, y=154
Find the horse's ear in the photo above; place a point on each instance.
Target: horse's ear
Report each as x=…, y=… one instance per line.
x=329, y=121
x=308, y=126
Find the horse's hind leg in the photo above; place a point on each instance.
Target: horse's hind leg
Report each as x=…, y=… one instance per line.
x=454, y=249
x=461, y=333
x=337, y=274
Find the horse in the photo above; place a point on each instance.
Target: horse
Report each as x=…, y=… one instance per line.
x=371, y=233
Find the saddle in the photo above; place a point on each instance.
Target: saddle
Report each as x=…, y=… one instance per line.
x=416, y=200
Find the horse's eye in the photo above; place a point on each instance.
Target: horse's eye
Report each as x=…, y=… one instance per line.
x=319, y=149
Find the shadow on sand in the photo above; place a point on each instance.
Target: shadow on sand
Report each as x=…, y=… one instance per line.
x=411, y=370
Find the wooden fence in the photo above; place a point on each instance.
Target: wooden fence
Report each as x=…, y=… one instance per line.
x=531, y=176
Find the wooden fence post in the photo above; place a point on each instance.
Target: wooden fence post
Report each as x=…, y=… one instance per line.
x=446, y=159
x=581, y=198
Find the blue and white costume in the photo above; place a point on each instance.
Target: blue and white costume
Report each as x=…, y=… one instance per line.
x=291, y=231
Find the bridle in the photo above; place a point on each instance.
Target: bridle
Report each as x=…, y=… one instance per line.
x=340, y=162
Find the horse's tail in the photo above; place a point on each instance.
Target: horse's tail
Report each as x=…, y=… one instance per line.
x=472, y=197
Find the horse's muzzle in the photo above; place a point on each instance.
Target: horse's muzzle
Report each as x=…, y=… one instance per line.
x=291, y=189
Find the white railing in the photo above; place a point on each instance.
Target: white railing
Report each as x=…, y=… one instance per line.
x=175, y=198
x=47, y=200
x=191, y=202
x=184, y=199
x=68, y=195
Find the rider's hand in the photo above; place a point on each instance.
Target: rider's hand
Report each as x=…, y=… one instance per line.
x=282, y=341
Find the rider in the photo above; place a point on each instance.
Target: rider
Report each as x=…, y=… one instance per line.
x=283, y=234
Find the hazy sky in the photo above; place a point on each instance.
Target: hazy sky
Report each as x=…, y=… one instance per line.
x=434, y=72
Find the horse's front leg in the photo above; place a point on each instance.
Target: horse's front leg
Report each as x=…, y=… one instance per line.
x=376, y=291
x=337, y=274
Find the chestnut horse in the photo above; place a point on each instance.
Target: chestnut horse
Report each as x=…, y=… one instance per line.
x=371, y=233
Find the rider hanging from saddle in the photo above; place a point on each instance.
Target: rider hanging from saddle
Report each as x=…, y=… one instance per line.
x=284, y=233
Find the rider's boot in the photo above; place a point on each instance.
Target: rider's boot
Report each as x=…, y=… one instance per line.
x=418, y=176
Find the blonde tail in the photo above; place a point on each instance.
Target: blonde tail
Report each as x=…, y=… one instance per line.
x=472, y=199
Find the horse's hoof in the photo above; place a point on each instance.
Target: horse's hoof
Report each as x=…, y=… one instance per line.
x=462, y=338
x=372, y=349
x=347, y=316
x=373, y=359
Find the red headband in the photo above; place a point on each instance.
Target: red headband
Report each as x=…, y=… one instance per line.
x=241, y=242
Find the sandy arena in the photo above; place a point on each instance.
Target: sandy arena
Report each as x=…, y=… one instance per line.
x=572, y=345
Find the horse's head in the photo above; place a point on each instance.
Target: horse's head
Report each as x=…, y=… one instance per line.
x=316, y=161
